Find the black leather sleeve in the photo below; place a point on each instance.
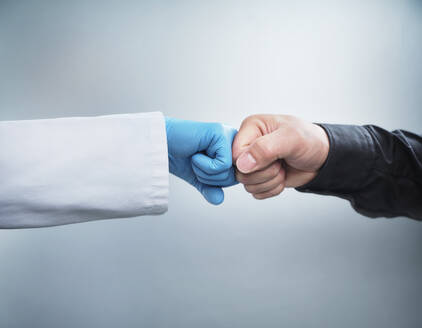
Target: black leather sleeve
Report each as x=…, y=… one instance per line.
x=378, y=171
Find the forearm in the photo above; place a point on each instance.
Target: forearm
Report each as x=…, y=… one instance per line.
x=379, y=172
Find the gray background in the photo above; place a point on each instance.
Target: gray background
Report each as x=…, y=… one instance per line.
x=298, y=260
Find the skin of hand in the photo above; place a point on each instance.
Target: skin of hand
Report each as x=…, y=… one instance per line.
x=201, y=154
x=272, y=152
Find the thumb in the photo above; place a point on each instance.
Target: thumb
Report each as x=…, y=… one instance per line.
x=248, y=132
x=214, y=195
x=264, y=151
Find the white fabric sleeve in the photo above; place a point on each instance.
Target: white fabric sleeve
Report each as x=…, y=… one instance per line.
x=68, y=170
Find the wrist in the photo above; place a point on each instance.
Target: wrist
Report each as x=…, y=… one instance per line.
x=168, y=123
x=169, y=127
x=323, y=145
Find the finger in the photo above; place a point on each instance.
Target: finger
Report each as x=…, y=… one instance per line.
x=265, y=150
x=218, y=157
x=272, y=193
x=248, y=132
x=266, y=186
x=212, y=165
x=215, y=177
x=214, y=195
x=260, y=176
x=229, y=181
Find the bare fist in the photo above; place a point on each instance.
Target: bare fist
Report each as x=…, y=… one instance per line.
x=272, y=152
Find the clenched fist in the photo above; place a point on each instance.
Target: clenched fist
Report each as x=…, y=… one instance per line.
x=272, y=152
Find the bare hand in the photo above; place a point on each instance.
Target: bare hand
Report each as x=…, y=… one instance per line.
x=272, y=152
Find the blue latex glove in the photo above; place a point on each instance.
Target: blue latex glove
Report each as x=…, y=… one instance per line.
x=201, y=154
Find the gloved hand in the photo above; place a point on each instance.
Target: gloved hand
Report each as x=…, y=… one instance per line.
x=201, y=154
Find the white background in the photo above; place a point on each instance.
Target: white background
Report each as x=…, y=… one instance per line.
x=298, y=260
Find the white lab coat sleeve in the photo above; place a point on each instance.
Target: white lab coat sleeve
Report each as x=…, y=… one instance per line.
x=68, y=170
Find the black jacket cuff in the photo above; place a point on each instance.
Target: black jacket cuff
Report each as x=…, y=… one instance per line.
x=349, y=161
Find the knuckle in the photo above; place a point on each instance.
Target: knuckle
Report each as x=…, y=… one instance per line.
x=275, y=168
x=250, y=118
x=288, y=119
x=217, y=126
